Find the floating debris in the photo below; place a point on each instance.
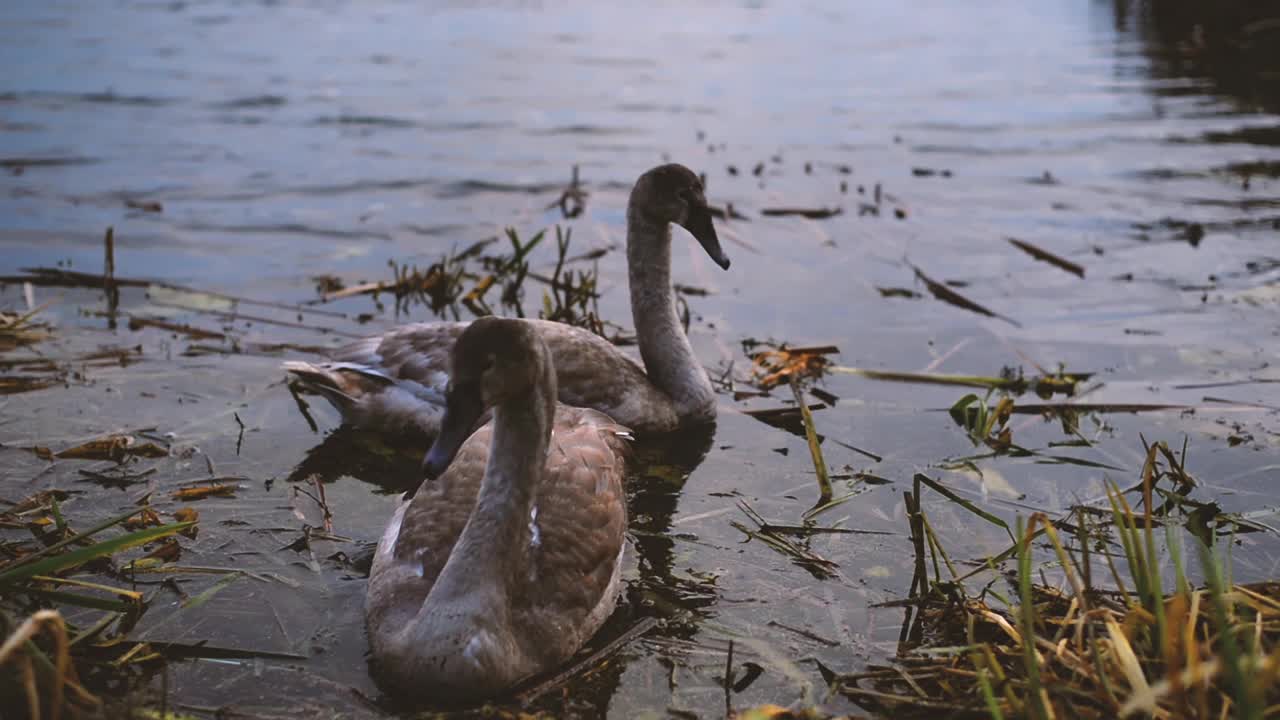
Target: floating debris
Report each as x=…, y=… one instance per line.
x=573, y=200
x=1009, y=380
x=327, y=284
x=781, y=363
x=19, y=330
x=46, y=649
x=815, y=445
x=818, y=566
x=947, y=295
x=202, y=492
x=810, y=213
x=1088, y=651
x=14, y=384
x=983, y=424
x=1061, y=408
x=137, y=322
x=149, y=206
x=1046, y=256
x=539, y=687
x=786, y=418
x=892, y=292
x=116, y=448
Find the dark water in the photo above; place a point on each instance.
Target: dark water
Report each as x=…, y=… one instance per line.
x=288, y=140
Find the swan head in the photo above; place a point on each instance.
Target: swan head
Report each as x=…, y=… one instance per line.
x=493, y=361
x=674, y=194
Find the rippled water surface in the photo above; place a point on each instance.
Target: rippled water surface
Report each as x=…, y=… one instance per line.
x=283, y=141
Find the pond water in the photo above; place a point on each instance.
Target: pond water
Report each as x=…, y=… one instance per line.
x=284, y=141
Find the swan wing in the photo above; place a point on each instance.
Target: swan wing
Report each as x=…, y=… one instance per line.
x=577, y=535
x=395, y=382
x=421, y=536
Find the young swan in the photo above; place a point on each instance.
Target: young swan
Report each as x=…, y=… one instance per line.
x=396, y=381
x=501, y=569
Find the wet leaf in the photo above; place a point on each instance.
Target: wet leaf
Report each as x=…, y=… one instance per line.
x=960, y=409
x=774, y=367
x=146, y=518
x=205, y=491
x=113, y=447
x=167, y=551
x=188, y=515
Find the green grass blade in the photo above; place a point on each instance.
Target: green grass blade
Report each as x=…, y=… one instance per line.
x=959, y=411
x=815, y=449
x=967, y=505
x=1244, y=692
x=989, y=696
x=77, y=538
x=57, y=563
x=208, y=594
x=1027, y=623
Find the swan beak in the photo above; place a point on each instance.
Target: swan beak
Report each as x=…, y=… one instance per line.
x=463, y=408
x=698, y=222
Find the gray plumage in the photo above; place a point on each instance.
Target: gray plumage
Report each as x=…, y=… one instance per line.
x=509, y=561
x=396, y=381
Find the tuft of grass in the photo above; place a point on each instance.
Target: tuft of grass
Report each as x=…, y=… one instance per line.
x=483, y=281
x=43, y=657
x=18, y=330
x=1147, y=644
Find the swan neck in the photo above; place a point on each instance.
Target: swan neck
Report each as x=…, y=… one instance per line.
x=668, y=357
x=492, y=551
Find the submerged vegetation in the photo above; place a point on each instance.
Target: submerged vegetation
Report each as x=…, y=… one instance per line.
x=470, y=279
x=20, y=330
x=1118, y=633
x=54, y=668
x=1091, y=615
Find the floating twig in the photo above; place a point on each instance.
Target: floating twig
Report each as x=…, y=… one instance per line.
x=810, y=213
x=804, y=633
x=1046, y=256
x=232, y=316
x=815, y=449
x=1043, y=385
x=239, y=437
x=947, y=295
x=59, y=277
x=109, y=276
x=640, y=628
x=573, y=200
x=137, y=322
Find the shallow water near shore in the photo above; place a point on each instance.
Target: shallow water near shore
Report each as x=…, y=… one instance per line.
x=248, y=148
